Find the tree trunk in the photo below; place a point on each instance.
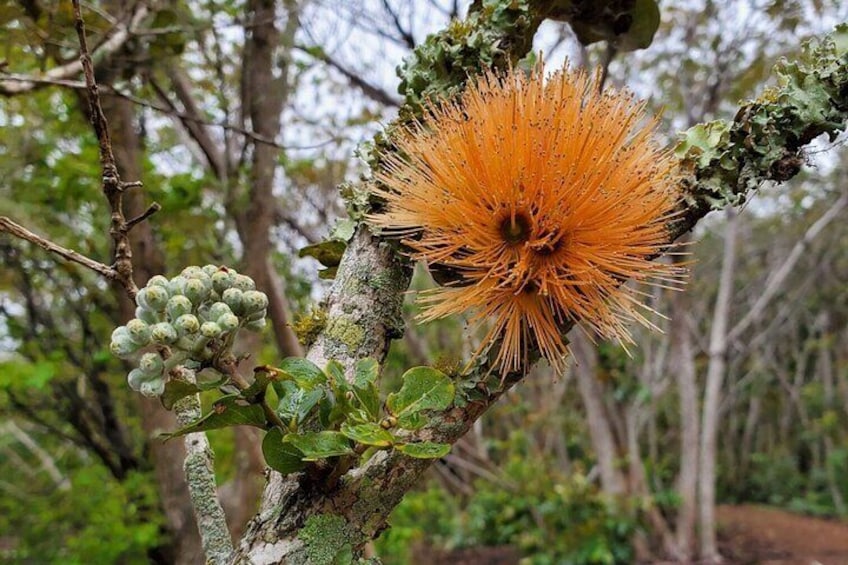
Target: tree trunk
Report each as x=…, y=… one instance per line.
x=712, y=397
x=682, y=367
x=600, y=429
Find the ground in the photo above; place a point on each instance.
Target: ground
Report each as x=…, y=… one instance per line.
x=768, y=536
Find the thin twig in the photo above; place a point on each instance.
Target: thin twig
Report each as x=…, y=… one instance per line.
x=17, y=230
x=152, y=209
x=229, y=367
x=118, y=37
x=253, y=136
x=111, y=183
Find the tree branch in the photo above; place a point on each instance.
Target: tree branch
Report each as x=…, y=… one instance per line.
x=372, y=91
x=120, y=35
x=111, y=183
x=200, y=474
x=775, y=282
x=17, y=230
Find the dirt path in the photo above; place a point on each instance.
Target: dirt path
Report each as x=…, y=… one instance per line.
x=762, y=535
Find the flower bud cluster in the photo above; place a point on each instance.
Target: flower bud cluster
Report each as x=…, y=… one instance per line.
x=186, y=320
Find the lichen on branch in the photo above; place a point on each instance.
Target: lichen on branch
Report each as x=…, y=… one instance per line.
x=725, y=160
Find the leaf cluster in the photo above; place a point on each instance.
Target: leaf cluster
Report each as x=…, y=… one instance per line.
x=320, y=414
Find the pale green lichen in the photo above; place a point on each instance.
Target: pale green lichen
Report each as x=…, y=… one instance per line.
x=308, y=326
x=346, y=331
x=724, y=160
x=328, y=540
x=496, y=34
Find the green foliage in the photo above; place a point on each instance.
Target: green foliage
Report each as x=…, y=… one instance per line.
x=96, y=521
x=785, y=480
x=319, y=414
x=328, y=253
x=551, y=519
x=349, y=412
x=423, y=389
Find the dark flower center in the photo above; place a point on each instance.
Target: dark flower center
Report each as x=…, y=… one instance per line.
x=515, y=228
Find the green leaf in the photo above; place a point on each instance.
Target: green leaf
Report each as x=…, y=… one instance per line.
x=304, y=372
x=177, y=390
x=319, y=445
x=328, y=274
x=256, y=391
x=424, y=449
x=366, y=372
x=627, y=26
x=296, y=403
x=280, y=455
x=424, y=388
x=343, y=230
x=328, y=253
x=365, y=388
x=226, y=411
x=336, y=372
x=646, y=21
x=368, y=434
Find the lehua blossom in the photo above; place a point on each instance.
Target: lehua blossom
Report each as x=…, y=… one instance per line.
x=541, y=196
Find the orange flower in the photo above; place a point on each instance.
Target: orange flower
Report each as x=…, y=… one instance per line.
x=542, y=197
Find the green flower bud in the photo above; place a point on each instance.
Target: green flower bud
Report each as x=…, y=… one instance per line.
x=256, y=325
x=187, y=324
x=141, y=299
x=121, y=332
x=177, y=306
x=152, y=388
x=244, y=283
x=260, y=315
x=137, y=377
x=176, y=286
x=217, y=310
x=223, y=279
x=151, y=363
x=232, y=297
x=191, y=272
x=253, y=301
x=163, y=332
x=156, y=297
x=147, y=315
x=210, y=269
x=210, y=330
x=186, y=343
x=138, y=331
x=157, y=280
x=122, y=346
x=196, y=290
x=228, y=322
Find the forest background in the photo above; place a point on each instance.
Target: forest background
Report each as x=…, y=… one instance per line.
x=242, y=118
